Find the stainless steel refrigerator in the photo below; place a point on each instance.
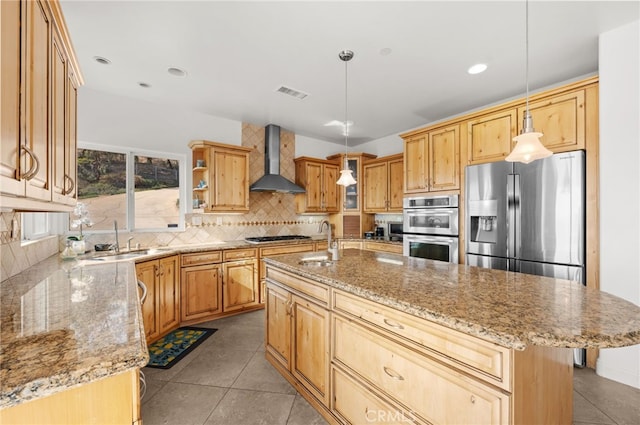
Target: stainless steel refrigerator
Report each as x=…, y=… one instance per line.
x=528, y=218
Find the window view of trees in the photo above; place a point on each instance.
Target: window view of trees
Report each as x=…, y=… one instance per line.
x=102, y=186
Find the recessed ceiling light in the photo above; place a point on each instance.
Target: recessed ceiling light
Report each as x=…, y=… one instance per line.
x=177, y=72
x=477, y=68
x=101, y=60
x=145, y=85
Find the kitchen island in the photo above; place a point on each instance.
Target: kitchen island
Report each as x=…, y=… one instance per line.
x=393, y=339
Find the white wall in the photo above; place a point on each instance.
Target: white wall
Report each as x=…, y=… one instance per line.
x=120, y=121
x=620, y=185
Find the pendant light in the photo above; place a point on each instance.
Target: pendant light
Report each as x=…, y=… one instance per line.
x=528, y=146
x=346, y=178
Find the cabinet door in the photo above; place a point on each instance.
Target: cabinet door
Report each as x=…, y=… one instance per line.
x=58, y=118
x=10, y=163
x=415, y=160
x=313, y=185
x=330, y=193
x=168, y=294
x=311, y=347
x=230, y=181
x=395, y=189
x=147, y=273
x=240, y=285
x=444, y=159
x=375, y=187
x=71, y=139
x=36, y=98
x=561, y=120
x=278, y=338
x=200, y=291
x=490, y=138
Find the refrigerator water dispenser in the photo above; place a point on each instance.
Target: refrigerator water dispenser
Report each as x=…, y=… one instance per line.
x=484, y=220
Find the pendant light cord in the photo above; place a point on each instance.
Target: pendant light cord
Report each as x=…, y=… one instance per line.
x=346, y=122
x=526, y=72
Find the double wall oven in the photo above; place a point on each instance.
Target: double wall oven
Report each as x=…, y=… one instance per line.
x=430, y=226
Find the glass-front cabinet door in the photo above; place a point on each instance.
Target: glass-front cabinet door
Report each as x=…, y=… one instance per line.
x=352, y=193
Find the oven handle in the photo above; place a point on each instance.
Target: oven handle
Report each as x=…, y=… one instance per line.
x=431, y=211
x=439, y=239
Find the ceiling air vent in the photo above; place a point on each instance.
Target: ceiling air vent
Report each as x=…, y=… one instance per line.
x=292, y=92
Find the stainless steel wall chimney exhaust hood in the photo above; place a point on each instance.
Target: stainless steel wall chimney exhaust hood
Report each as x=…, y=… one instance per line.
x=272, y=181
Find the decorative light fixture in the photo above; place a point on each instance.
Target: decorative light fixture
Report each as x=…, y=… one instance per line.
x=346, y=178
x=528, y=146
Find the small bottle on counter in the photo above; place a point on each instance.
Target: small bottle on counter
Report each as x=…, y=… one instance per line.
x=333, y=251
x=68, y=253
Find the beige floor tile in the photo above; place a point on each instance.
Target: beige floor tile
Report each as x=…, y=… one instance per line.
x=259, y=375
x=181, y=404
x=244, y=407
x=585, y=412
x=619, y=402
x=217, y=366
x=303, y=414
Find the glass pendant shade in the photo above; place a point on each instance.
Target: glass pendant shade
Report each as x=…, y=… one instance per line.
x=346, y=178
x=528, y=148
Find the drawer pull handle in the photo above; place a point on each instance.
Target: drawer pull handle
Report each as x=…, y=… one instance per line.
x=392, y=373
x=393, y=324
x=473, y=399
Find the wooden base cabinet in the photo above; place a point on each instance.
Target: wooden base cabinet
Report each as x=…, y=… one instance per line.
x=200, y=286
x=160, y=309
x=240, y=285
x=112, y=400
x=358, y=362
x=297, y=332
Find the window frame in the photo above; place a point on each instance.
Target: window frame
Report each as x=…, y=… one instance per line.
x=129, y=153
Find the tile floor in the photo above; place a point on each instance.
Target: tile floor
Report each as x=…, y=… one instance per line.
x=226, y=380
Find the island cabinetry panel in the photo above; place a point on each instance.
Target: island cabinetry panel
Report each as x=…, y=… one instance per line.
x=201, y=286
x=161, y=306
x=318, y=177
x=432, y=161
x=383, y=180
x=240, y=279
x=347, y=244
x=476, y=357
x=38, y=114
x=297, y=332
x=112, y=400
x=270, y=251
x=222, y=178
x=434, y=392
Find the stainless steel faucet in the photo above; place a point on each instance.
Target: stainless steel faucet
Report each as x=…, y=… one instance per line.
x=322, y=223
x=116, y=246
x=129, y=243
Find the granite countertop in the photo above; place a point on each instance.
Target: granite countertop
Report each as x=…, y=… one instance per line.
x=513, y=310
x=63, y=324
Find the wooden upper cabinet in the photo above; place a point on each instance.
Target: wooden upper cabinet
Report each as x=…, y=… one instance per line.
x=383, y=184
x=224, y=176
x=490, y=137
x=318, y=177
x=415, y=163
x=561, y=120
x=432, y=161
x=444, y=159
x=11, y=166
x=38, y=114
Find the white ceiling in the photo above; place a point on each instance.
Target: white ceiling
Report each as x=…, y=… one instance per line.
x=238, y=53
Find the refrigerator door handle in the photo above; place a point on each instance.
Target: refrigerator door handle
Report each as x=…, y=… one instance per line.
x=510, y=219
x=517, y=216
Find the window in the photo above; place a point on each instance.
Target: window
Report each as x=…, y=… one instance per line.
x=137, y=190
x=35, y=226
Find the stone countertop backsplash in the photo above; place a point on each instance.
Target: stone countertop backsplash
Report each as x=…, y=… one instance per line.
x=513, y=310
x=64, y=324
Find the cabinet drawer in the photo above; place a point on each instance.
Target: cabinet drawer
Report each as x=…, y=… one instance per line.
x=385, y=247
x=239, y=254
x=426, y=387
x=358, y=405
x=300, y=284
x=206, y=257
x=473, y=355
x=287, y=249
